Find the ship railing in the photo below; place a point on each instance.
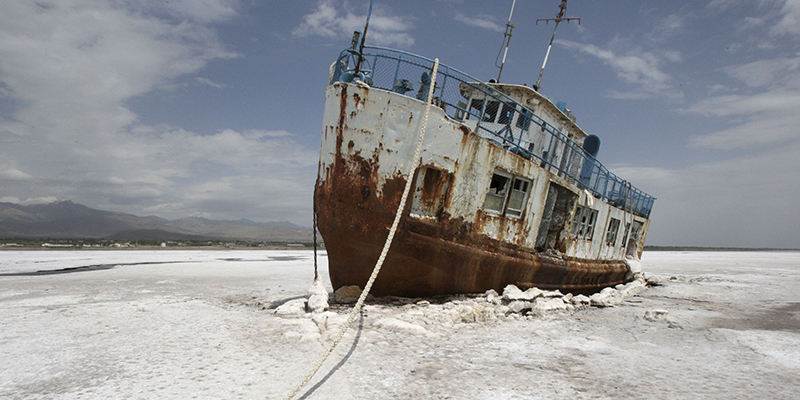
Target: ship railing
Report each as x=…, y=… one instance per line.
x=496, y=116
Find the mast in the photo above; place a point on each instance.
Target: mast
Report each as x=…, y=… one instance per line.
x=506, y=39
x=559, y=17
x=363, y=38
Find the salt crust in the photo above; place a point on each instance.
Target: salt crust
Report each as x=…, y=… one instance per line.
x=417, y=316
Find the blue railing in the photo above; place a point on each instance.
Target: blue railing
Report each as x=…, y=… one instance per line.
x=497, y=116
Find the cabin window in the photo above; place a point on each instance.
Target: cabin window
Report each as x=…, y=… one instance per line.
x=506, y=114
x=476, y=107
x=583, y=223
x=518, y=196
x=490, y=113
x=523, y=121
x=611, y=233
x=509, y=193
x=498, y=189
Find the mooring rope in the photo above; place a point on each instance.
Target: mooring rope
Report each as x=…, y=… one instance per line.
x=389, y=239
x=316, y=270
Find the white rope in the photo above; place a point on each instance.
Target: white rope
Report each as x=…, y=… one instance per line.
x=389, y=239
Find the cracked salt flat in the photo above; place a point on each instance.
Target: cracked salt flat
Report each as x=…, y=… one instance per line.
x=203, y=327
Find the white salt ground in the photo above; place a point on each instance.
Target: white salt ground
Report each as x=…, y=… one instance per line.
x=202, y=324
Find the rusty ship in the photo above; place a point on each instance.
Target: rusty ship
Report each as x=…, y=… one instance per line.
x=508, y=188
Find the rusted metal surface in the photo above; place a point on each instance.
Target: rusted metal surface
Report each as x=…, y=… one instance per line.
x=435, y=258
x=446, y=242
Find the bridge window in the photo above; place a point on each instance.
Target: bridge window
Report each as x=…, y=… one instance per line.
x=523, y=121
x=506, y=115
x=490, y=113
x=476, y=107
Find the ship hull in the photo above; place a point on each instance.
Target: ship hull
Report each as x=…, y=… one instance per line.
x=421, y=264
x=360, y=185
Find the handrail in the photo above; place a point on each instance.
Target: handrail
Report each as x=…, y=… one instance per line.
x=395, y=70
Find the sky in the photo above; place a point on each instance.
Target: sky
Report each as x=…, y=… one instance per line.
x=213, y=108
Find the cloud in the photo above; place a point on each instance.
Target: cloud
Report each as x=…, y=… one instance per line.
x=209, y=82
x=771, y=102
x=790, y=19
x=335, y=20
x=725, y=202
x=777, y=72
x=665, y=29
x=481, y=21
x=67, y=69
x=752, y=134
x=174, y=173
x=27, y=202
x=14, y=174
x=766, y=117
x=259, y=173
x=73, y=64
x=736, y=195
x=641, y=70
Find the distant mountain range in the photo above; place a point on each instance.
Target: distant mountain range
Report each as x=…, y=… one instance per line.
x=68, y=220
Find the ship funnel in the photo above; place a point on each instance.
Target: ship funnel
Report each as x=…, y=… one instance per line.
x=591, y=145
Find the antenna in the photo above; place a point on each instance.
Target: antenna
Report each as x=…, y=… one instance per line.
x=558, y=19
x=506, y=39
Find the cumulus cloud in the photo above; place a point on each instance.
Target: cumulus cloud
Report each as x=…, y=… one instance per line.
x=640, y=70
x=67, y=69
x=756, y=142
x=255, y=172
x=482, y=21
x=789, y=22
x=766, y=117
x=667, y=28
x=73, y=63
x=336, y=20
x=776, y=72
x=752, y=134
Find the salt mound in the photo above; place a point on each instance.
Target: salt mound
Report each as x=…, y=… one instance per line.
x=318, y=296
x=292, y=307
x=425, y=317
